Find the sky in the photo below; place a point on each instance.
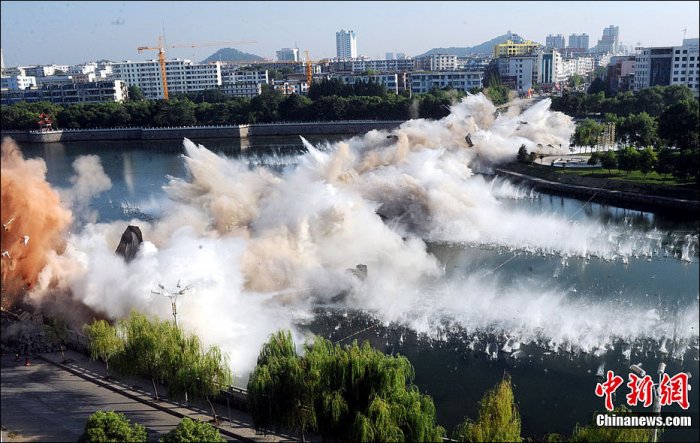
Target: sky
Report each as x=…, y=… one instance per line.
x=67, y=32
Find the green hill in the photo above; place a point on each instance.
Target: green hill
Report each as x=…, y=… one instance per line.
x=232, y=55
x=485, y=48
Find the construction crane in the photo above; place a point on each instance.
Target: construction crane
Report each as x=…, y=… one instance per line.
x=309, y=74
x=161, y=55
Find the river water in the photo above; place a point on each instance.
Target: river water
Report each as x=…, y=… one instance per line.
x=621, y=308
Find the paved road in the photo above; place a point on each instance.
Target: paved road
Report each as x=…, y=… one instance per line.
x=51, y=401
x=43, y=403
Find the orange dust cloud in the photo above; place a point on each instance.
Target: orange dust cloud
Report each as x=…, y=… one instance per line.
x=33, y=222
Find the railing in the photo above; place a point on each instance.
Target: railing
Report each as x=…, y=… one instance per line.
x=159, y=128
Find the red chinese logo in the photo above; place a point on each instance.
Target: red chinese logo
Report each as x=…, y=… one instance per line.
x=608, y=388
x=674, y=390
x=641, y=389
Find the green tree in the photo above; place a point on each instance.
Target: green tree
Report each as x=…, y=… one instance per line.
x=679, y=126
x=576, y=80
x=149, y=347
x=103, y=341
x=608, y=160
x=135, y=93
x=597, y=85
x=192, y=431
x=639, y=129
x=498, y=94
x=607, y=434
x=647, y=160
x=109, y=426
x=522, y=154
x=594, y=159
x=628, y=159
x=345, y=393
x=499, y=419
x=295, y=108
x=587, y=133
x=175, y=112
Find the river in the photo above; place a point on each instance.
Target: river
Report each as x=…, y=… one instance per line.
x=621, y=308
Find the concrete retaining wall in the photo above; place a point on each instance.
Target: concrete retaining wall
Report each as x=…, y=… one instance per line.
x=233, y=131
x=631, y=200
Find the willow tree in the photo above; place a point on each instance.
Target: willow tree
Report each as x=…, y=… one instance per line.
x=608, y=434
x=279, y=394
x=499, y=420
x=103, y=341
x=150, y=347
x=345, y=393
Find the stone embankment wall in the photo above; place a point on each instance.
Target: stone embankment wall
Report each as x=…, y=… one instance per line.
x=176, y=133
x=632, y=200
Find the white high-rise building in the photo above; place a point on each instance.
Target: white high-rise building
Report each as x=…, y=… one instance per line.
x=346, y=44
x=182, y=76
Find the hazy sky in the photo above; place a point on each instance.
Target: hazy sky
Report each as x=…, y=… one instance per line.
x=69, y=32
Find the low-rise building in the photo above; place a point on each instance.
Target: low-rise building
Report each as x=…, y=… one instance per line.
x=436, y=62
x=510, y=48
x=102, y=91
x=289, y=87
x=17, y=82
x=242, y=89
x=423, y=82
x=390, y=81
x=517, y=72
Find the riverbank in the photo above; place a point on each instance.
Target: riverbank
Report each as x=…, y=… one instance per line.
x=350, y=127
x=647, y=197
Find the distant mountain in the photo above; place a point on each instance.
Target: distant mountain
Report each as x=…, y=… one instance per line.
x=485, y=48
x=232, y=55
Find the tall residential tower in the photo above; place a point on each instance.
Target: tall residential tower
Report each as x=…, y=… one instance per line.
x=346, y=44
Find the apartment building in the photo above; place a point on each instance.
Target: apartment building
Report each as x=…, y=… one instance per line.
x=182, y=76
x=242, y=89
x=555, y=41
x=346, y=44
x=69, y=93
x=390, y=81
x=620, y=73
x=288, y=55
x=673, y=65
x=509, y=48
x=517, y=72
x=436, y=62
x=358, y=66
x=17, y=82
x=423, y=82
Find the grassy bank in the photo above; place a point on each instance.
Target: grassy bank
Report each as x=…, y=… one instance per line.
x=652, y=184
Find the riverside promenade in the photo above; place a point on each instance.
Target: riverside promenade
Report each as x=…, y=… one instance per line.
x=634, y=200
x=51, y=399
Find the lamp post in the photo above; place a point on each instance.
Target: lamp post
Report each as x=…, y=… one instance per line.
x=173, y=296
x=656, y=390
x=173, y=301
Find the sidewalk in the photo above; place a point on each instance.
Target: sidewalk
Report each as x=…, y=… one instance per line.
x=233, y=423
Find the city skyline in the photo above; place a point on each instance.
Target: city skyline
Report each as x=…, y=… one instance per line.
x=76, y=32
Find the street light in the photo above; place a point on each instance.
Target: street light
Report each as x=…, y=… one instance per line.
x=172, y=296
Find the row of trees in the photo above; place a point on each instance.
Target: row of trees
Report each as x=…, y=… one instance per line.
x=653, y=101
x=110, y=426
x=677, y=126
x=160, y=351
x=357, y=393
x=215, y=108
x=347, y=393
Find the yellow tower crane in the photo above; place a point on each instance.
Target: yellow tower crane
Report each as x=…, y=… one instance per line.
x=161, y=55
x=309, y=74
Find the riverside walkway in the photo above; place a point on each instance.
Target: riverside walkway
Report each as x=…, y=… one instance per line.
x=50, y=400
